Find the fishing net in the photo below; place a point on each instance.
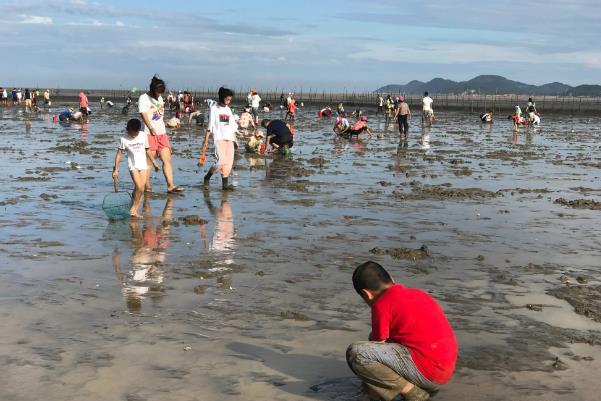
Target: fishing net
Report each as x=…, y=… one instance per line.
x=117, y=205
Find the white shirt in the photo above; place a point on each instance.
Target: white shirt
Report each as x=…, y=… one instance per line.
x=428, y=103
x=154, y=110
x=255, y=101
x=221, y=123
x=380, y=101
x=535, y=119
x=136, y=150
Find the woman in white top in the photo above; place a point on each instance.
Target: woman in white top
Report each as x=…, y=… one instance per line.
x=152, y=108
x=223, y=128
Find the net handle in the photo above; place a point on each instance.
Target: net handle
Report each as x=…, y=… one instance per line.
x=115, y=184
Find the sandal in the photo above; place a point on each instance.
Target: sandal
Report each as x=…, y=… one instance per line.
x=175, y=190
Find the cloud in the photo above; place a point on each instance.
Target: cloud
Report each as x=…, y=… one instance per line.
x=35, y=19
x=465, y=53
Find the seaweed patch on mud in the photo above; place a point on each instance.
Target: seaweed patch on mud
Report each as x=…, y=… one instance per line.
x=579, y=203
x=403, y=253
x=443, y=192
x=586, y=300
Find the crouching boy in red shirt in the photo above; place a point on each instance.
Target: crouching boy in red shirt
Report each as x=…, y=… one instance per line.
x=412, y=348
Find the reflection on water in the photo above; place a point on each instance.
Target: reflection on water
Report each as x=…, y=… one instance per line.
x=149, y=240
x=223, y=240
x=401, y=163
x=425, y=139
x=523, y=138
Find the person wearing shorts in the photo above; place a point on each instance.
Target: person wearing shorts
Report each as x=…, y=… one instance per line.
x=427, y=107
x=255, y=104
x=135, y=145
x=223, y=129
x=152, y=109
x=28, y=101
x=83, y=103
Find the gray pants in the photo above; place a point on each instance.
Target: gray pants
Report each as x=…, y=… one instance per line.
x=385, y=368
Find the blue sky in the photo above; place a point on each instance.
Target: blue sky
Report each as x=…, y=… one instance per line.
x=335, y=44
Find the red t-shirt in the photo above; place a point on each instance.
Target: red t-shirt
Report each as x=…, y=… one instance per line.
x=83, y=101
x=411, y=317
x=359, y=125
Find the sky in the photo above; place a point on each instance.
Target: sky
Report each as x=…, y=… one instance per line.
x=352, y=45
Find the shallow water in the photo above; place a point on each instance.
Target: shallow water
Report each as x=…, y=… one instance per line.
x=257, y=302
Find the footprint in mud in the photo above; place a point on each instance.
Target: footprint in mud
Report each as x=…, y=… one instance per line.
x=49, y=353
x=95, y=359
x=340, y=389
x=170, y=372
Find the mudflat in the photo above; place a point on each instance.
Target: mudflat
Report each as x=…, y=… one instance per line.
x=248, y=295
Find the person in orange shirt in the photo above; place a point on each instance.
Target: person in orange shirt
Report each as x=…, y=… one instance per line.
x=360, y=127
x=83, y=103
x=291, y=114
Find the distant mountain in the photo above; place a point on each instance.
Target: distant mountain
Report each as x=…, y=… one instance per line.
x=586, y=90
x=490, y=85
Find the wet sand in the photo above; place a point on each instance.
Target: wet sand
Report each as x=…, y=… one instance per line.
x=257, y=302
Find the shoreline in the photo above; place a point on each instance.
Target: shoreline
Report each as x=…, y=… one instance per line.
x=472, y=103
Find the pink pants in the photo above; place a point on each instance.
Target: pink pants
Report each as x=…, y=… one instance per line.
x=224, y=150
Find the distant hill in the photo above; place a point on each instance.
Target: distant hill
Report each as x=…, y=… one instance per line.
x=490, y=85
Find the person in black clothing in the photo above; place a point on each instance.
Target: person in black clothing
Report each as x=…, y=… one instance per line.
x=278, y=134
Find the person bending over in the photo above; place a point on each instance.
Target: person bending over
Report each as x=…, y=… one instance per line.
x=279, y=134
x=412, y=349
x=342, y=126
x=360, y=127
x=486, y=117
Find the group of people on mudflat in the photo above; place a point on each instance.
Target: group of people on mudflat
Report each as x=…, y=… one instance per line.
x=147, y=140
x=412, y=348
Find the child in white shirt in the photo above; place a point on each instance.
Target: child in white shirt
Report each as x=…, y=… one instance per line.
x=223, y=128
x=135, y=144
